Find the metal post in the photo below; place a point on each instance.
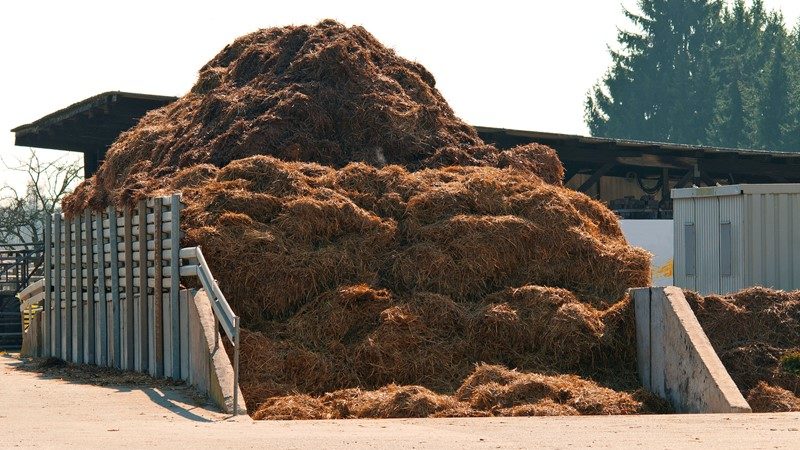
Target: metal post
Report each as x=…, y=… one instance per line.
x=79, y=307
x=47, y=264
x=236, y=367
x=175, y=284
x=158, y=289
x=58, y=282
x=102, y=299
x=115, y=300
x=68, y=336
x=91, y=319
x=129, y=345
x=144, y=342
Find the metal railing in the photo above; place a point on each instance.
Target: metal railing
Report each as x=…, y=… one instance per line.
x=223, y=313
x=30, y=301
x=19, y=263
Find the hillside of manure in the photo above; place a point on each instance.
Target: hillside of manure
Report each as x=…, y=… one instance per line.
x=756, y=333
x=384, y=260
x=327, y=94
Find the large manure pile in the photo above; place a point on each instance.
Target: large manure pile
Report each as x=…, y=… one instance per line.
x=756, y=333
x=386, y=262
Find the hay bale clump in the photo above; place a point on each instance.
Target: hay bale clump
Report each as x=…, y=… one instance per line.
x=767, y=398
x=491, y=227
x=367, y=337
x=488, y=391
x=752, y=330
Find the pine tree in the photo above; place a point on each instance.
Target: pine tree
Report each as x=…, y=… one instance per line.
x=728, y=128
x=773, y=118
x=736, y=73
x=791, y=134
x=661, y=85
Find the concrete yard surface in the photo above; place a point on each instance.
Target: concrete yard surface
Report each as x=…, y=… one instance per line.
x=39, y=412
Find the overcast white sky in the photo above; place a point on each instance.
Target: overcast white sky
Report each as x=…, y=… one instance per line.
x=513, y=64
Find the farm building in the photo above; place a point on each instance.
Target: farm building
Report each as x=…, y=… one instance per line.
x=632, y=177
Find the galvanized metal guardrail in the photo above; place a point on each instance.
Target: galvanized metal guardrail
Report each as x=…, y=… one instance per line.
x=222, y=310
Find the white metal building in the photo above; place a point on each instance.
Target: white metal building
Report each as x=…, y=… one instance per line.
x=731, y=237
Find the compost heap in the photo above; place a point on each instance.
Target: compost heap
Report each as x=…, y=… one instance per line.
x=385, y=261
x=756, y=333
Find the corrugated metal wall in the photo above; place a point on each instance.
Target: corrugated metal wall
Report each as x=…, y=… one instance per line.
x=772, y=240
x=731, y=212
x=683, y=216
x=725, y=243
x=706, y=213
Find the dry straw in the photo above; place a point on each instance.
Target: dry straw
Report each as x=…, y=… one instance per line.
x=376, y=248
x=751, y=330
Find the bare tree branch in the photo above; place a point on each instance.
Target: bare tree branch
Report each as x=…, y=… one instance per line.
x=22, y=214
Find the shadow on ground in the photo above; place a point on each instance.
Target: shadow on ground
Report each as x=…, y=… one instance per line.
x=175, y=397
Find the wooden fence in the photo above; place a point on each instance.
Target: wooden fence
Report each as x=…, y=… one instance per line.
x=111, y=289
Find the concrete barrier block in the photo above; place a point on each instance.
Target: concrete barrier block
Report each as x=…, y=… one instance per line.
x=32, y=337
x=641, y=306
x=675, y=358
x=210, y=369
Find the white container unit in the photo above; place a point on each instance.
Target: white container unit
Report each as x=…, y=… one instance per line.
x=731, y=237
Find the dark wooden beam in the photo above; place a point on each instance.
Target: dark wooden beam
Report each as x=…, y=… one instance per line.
x=707, y=179
x=596, y=176
x=685, y=179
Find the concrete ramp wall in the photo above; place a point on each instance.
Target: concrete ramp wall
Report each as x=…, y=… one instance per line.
x=210, y=369
x=676, y=360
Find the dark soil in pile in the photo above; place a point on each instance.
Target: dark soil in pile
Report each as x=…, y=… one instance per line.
x=752, y=331
x=385, y=261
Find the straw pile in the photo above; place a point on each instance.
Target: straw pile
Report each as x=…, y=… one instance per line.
x=751, y=331
x=326, y=94
x=489, y=390
x=376, y=249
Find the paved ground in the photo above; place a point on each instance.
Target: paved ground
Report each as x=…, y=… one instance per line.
x=52, y=413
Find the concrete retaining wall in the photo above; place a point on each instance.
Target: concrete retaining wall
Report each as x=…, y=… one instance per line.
x=676, y=360
x=210, y=369
x=32, y=337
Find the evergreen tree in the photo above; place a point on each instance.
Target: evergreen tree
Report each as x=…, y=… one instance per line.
x=773, y=117
x=728, y=128
x=660, y=86
x=694, y=71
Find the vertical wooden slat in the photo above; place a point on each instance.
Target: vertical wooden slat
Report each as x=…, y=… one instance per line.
x=79, y=305
x=48, y=283
x=58, y=286
x=68, y=335
x=91, y=320
x=158, y=290
x=102, y=300
x=116, y=333
x=175, y=283
x=143, y=343
x=128, y=345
